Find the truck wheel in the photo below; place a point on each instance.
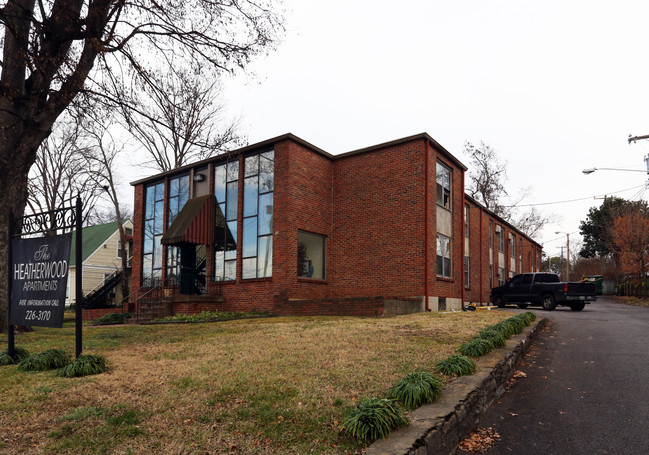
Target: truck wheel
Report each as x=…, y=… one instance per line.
x=578, y=306
x=498, y=301
x=522, y=306
x=549, y=303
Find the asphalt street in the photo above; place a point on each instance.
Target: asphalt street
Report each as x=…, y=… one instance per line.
x=586, y=389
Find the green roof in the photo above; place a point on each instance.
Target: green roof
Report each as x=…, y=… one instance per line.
x=93, y=238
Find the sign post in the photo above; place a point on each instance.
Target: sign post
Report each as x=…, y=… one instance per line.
x=38, y=270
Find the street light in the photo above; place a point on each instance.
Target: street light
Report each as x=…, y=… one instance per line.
x=593, y=169
x=567, y=253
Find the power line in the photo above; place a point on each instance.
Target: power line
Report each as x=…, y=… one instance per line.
x=575, y=200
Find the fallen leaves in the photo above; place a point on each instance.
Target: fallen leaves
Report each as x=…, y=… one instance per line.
x=480, y=440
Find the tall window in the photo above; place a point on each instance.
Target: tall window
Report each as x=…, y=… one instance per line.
x=467, y=275
x=226, y=191
x=501, y=276
x=443, y=256
x=443, y=186
x=153, y=228
x=466, y=220
x=258, y=186
x=501, y=239
x=491, y=234
x=310, y=255
x=178, y=197
x=512, y=245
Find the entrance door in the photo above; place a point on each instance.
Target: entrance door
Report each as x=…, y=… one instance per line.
x=192, y=269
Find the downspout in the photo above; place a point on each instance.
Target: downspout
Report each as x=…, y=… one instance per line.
x=463, y=244
x=426, y=221
x=481, y=269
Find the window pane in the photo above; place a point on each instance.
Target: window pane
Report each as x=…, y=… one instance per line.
x=150, y=202
x=230, y=270
x=218, y=265
x=159, y=217
x=159, y=191
x=233, y=171
x=266, y=214
x=147, y=266
x=249, y=237
x=249, y=268
x=231, y=241
x=265, y=257
x=148, y=236
x=157, y=252
x=174, y=187
x=250, y=196
x=311, y=256
x=252, y=165
x=183, y=191
x=266, y=175
x=219, y=183
x=233, y=193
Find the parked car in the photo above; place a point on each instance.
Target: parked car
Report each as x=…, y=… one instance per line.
x=545, y=289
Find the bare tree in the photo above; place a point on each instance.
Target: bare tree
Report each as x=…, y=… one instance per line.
x=183, y=122
x=487, y=180
x=56, y=52
x=486, y=176
x=60, y=173
x=102, y=156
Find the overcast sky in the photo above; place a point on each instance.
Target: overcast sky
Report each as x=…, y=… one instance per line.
x=553, y=86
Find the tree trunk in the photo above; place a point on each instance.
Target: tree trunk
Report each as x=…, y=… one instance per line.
x=13, y=197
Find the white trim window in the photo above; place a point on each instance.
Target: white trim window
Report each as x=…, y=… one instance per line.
x=443, y=186
x=443, y=256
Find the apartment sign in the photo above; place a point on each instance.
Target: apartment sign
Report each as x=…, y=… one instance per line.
x=39, y=275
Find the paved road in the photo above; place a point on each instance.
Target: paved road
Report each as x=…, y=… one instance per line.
x=587, y=386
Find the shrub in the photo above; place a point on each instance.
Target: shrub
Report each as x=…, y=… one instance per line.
x=47, y=360
x=494, y=337
x=476, y=347
x=416, y=389
x=109, y=319
x=527, y=317
x=504, y=328
x=84, y=365
x=456, y=365
x=374, y=418
x=19, y=354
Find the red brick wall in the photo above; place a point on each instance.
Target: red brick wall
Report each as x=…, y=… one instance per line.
x=91, y=315
x=138, y=237
x=378, y=244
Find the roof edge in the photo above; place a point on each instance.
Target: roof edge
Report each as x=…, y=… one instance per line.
x=225, y=155
x=415, y=137
x=501, y=219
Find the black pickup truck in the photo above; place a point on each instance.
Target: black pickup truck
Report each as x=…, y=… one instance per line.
x=543, y=289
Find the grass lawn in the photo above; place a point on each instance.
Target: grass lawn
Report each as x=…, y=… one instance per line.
x=254, y=386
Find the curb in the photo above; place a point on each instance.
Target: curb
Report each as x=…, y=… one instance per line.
x=438, y=428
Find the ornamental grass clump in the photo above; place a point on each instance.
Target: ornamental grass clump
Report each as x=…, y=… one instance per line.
x=456, y=365
x=476, y=347
x=84, y=365
x=19, y=354
x=416, y=389
x=527, y=317
x=374, y=418
x=46, y=360
x=505, y=328
x=494, y=337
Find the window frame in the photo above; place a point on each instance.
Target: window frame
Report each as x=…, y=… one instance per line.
x=441, y=240
x=444, y=192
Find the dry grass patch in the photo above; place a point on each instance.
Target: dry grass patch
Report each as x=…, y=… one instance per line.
x=267, y=386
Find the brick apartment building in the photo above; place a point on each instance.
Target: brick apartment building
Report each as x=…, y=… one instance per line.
x=284, y=227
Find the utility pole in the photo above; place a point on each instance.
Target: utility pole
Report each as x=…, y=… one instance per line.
x=636, y=138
